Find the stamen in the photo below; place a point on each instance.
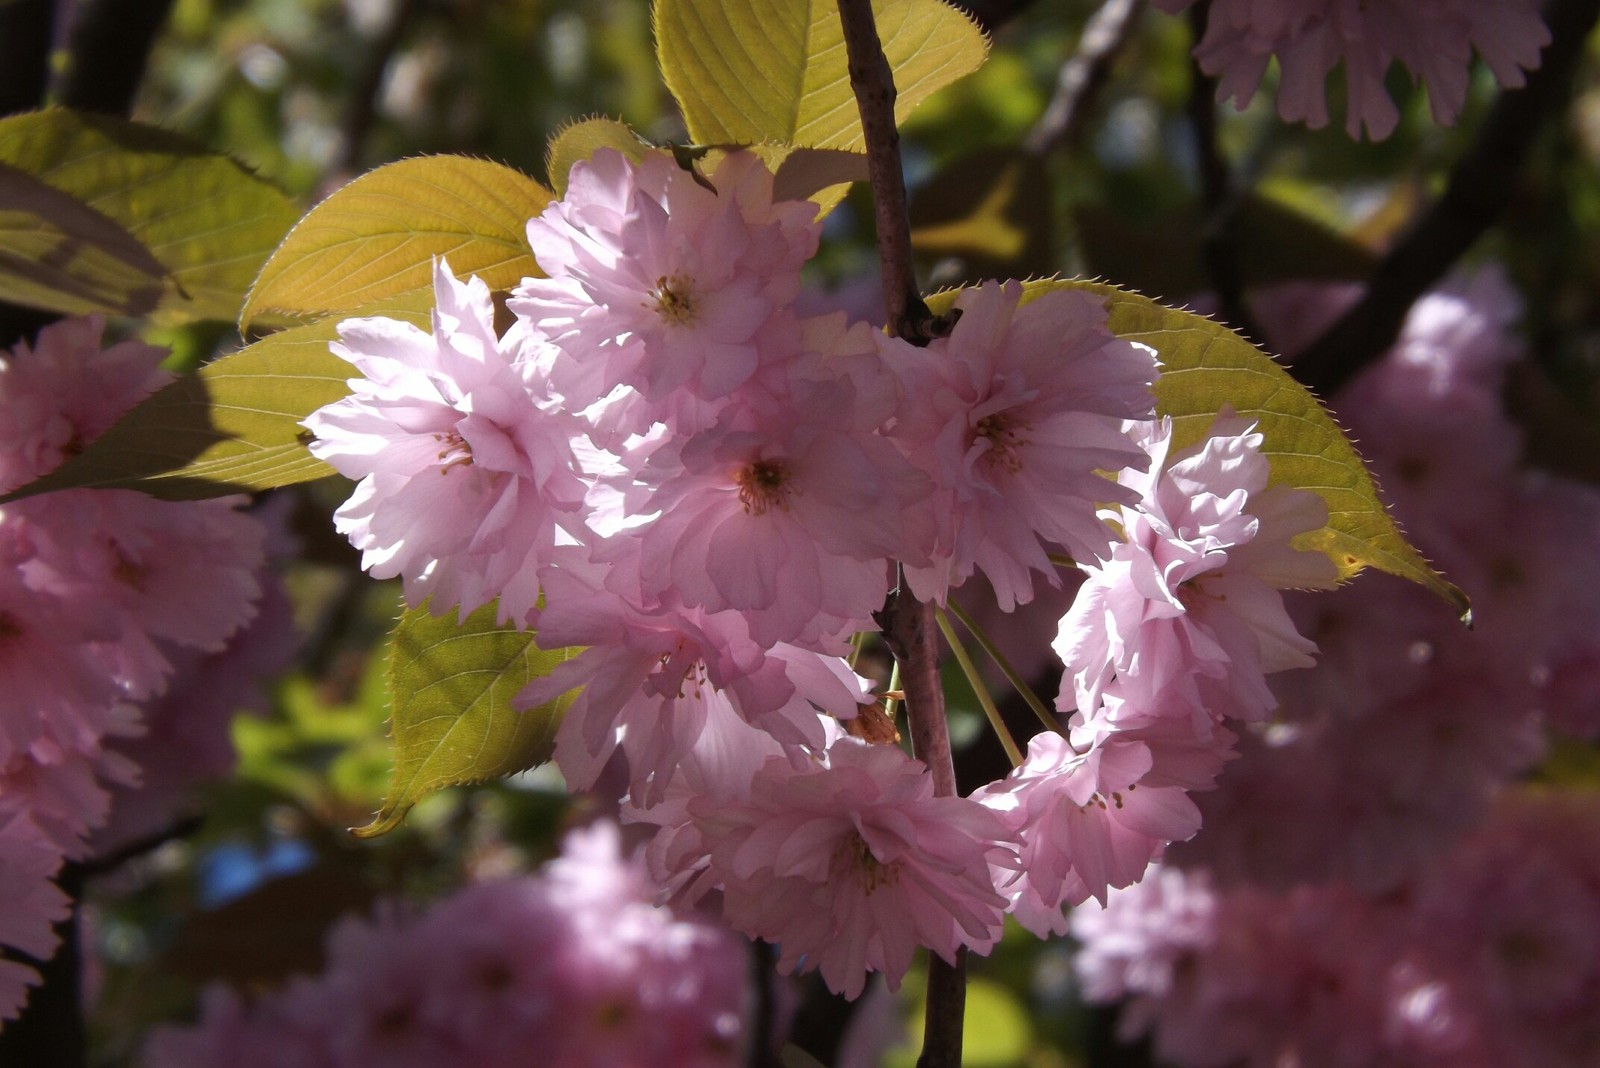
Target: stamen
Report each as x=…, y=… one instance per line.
x=454, y=451
x=1006, y=435
x=763, y=485
x=674, y=299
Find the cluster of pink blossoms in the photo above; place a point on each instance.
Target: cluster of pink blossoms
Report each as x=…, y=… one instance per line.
x=1489, y=958
x=574, y=966
x=106, y=597
x=1434, y=41
x=664, y=461
x=1371, y=886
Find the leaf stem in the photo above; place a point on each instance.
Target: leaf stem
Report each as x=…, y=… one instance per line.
x=979, y=688
x=1012, y=675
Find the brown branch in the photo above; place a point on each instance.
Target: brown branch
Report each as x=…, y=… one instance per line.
x=1219, y=199
x=25, y=31
x=908, y=625
x=111, y=43
x=1083, y=75
x=1480, y=188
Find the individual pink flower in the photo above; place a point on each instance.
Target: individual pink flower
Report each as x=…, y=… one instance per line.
x=1187, y=612
x=789, y=516
x=1433, y=41
x=176, y=573
x=1014, y=416
x=1087, y=822
x=851, y=866
x=662, y=279
x=64, y=391
x=466, y=469
x=28, y=862
x=649, y=678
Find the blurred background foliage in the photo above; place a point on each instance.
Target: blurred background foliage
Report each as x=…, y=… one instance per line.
x=311, y=93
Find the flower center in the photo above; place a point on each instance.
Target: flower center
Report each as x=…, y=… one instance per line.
x=674, y=299
x=453, y=450
x=763, y=485
x=1005, y=434
x=853, y=859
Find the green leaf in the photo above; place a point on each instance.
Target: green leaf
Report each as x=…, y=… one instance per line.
x=58, y=253
x=202, y=216
x=378, y=236
x=452, y=684
x=1206, y=367
x=234, y=426
x=775, y=70
x=580, y=140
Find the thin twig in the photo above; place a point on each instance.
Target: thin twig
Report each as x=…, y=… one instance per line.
x=1480, y=188
x=908, y=624
x=1083, y=75
x=1219, y=245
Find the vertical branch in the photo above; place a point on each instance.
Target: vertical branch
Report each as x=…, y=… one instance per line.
x=1219, y=247
x=908, y=625
x=873, y=83
x=111, y=43
x=25, y=30
x=1480, y=189
x=1083, y=75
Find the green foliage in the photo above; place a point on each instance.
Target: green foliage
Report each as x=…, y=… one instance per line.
x=580, y=140
x=58, y=253
x=452, y=685
x=1206, y=367
x=234, y=426
x=775, y=70
x=143, y=221
x=377, y=237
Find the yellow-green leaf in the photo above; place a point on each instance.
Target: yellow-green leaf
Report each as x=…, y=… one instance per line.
x=1206, y=367
x=58, y=253
x=234, y=426
x=205, y=219
x=451, y=685
x=580, y=140
x=775, y=70
x=378, y=236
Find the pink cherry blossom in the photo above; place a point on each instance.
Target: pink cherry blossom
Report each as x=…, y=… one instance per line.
x=1187, y=607
x=465, y=467
x=28, y=862
x=575, y=964
x=1013, y=416
x=851, y=866
x=64, y=391
x=650, y=678
x=661, y=279
x=1433, y=41
x=1087, y=822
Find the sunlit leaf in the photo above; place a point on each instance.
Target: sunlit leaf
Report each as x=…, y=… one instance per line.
x=58, y=253
x=775, y=70
x=378, y=236
x=580, y=140
x=202, y=216
x=1206, y=367
x=233, y=426
x=451, y=686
